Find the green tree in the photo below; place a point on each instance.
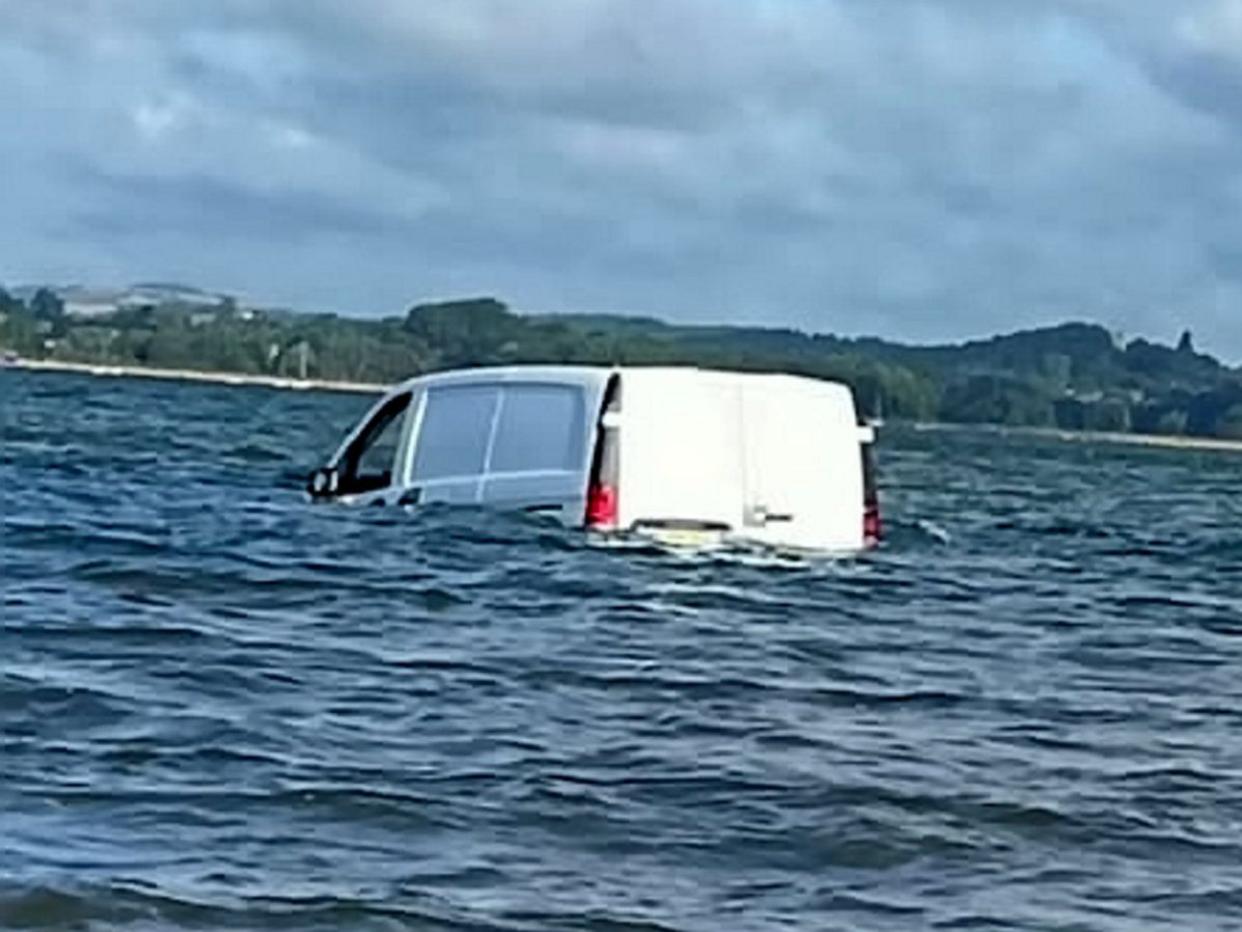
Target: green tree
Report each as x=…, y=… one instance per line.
x=19, y=331
x=1230, y=424
x=465, y=333
x=9, y=304
x=47, y=305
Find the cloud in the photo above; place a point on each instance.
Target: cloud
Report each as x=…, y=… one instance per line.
x=926, y=169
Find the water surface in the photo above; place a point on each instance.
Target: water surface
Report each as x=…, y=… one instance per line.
x=221, y=708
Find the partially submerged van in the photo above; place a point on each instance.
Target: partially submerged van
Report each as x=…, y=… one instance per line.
x=774, y=459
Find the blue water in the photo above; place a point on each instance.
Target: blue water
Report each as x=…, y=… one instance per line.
x=222, y=708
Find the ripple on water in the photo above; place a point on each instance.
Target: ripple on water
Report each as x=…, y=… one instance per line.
x=223, y=708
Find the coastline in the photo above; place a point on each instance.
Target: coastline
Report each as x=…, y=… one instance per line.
x=1168, y=442
x=197, y=375
x=1160, y=441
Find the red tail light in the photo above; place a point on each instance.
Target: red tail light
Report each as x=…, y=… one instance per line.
x=873, y=525
x=601, y=508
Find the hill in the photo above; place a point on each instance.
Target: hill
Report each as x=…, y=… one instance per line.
x=1074, y=376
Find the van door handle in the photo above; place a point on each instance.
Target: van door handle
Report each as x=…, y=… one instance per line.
x=759, y=516
x=542, y=509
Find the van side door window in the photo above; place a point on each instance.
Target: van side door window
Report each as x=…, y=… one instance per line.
x=367, y=464
x=541, y=430
x=455, y=431
x=539, y=452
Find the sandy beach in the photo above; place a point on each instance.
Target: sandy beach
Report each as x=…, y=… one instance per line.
x=194, y=375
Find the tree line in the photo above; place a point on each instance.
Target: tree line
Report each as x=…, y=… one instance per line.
x=1076, y=376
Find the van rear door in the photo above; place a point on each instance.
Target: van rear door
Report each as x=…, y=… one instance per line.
x=679, y=464
x=804, y=484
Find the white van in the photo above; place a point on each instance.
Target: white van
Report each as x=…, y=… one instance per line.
x=775, y=459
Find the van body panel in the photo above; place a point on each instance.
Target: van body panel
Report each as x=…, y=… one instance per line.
x=680, y=440
x=457, y=423
x=559, y=495
x=803, y=479
x=768, y=458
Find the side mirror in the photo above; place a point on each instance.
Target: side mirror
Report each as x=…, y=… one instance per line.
x=324, y=482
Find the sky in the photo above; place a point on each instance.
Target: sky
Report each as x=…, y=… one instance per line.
x=924, y=170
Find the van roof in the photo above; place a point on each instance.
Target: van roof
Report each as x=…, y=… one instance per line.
x=529, y=373
x=597, y=375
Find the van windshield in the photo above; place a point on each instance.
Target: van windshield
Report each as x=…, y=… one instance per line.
x=368, y=463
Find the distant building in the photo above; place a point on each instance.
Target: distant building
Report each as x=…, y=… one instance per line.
x=84, y=301
x=90, y=307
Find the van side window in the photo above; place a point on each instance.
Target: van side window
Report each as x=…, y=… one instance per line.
x=541, y=428
x=367, y=464
x=457, y=422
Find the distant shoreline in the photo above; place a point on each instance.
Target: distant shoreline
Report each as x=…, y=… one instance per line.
x=1162, y=441
x=1168, y=442
x=197, y=375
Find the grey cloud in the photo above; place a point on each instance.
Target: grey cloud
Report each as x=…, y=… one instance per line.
x=922, y=168
x=130, y=205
